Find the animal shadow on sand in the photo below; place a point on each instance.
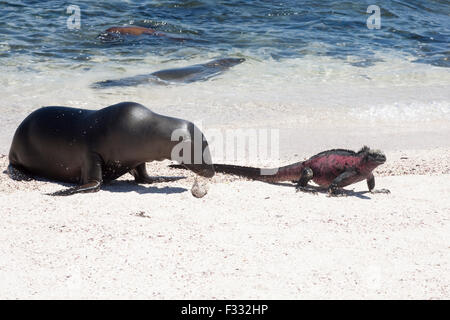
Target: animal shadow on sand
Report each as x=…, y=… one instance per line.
x=317, y=189
x=131, y=185
x=120, y=185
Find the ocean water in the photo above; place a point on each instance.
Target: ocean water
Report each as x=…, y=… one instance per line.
x=307, y=62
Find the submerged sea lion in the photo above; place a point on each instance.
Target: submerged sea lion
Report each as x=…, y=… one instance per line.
x=114, y=32
x=91, y=146
x=135, y=31
x=198, y=72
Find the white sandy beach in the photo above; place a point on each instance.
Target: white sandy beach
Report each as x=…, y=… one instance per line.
x=243, y=240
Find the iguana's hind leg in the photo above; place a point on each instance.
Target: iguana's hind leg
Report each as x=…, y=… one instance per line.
x=302, y=183
x=371, y=185
x=18, y=174
x=91, y=179
x=141, y=176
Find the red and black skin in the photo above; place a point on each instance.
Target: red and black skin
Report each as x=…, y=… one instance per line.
x=332, y=169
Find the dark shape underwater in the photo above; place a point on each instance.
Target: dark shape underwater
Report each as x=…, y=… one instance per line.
x=197, y=72
x=118, y=34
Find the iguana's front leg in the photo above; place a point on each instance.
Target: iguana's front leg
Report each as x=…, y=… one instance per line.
x=141, y=176
x=344, y=179
x=371, y=185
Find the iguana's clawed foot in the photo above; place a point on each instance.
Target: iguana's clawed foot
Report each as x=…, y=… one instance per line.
x=336, y=192
x=385, y=191
x=305, y=189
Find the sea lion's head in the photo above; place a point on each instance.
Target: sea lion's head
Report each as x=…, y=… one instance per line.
x=192, y=151
x=225, y=63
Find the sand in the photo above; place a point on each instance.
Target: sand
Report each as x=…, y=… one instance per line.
x=243, y=240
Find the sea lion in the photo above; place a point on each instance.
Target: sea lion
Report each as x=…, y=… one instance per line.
x=198, y=72
x=91, y=146
x=135, y=31
x=114, y=33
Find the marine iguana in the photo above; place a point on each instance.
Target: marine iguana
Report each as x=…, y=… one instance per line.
x=332, y=169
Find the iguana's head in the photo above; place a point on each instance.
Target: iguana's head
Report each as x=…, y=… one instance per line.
x=376, y=157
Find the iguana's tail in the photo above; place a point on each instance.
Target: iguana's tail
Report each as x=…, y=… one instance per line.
x=290, y=172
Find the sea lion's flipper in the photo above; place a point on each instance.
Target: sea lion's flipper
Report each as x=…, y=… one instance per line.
x=18, y=174
x=91, y=177
x=141, y=176
x=92, y=186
